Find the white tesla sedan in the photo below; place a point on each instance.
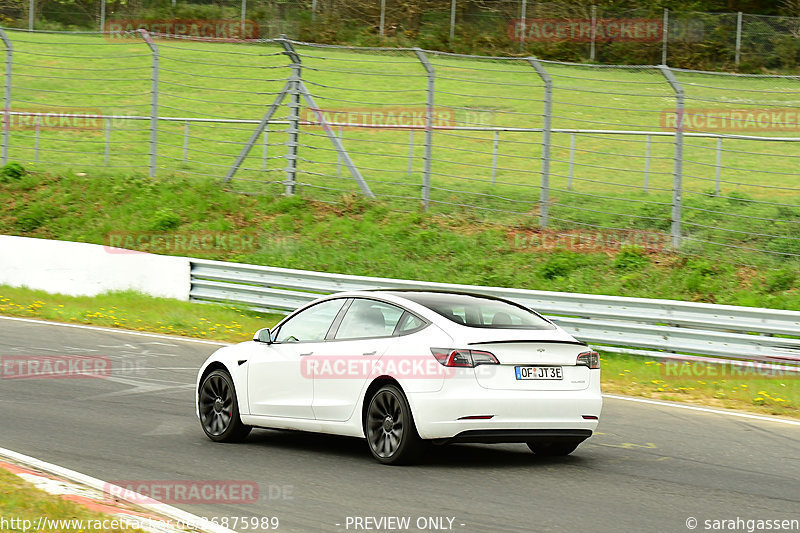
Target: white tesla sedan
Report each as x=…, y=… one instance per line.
x=403, y=368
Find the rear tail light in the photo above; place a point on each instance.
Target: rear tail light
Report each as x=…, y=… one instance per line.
x=463, y=358
x=590, y=359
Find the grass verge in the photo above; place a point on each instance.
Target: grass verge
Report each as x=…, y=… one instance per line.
x=20, y=501
x=130, y=310
x=361, y=237
x=622, y=374
x=719, y=386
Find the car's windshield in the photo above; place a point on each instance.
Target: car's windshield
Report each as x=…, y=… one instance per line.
x=478, y=311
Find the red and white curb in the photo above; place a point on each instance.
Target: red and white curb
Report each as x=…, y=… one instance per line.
x=94, y=494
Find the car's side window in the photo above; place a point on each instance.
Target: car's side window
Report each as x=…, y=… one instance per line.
x=369, y=318
x=409, y=323
x=310, y=325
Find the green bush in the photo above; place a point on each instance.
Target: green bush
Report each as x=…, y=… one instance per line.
x=12, y=172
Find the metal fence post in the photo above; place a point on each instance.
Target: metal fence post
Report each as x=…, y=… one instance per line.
x=153, y=103
x=102, y=16
x=6, y=93
x=592, y=51
x=738, y=37
x=31, y=13
x=522, y=16
x=677, y=177
x=426, y=169
x=244, y=18
x=452, y=20
x=664, y=36
x=547, y=115
x=383, y=16
x=294, y=116
x=313, y=10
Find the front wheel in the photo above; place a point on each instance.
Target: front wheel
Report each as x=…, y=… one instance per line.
x=389, y=427
x=554, y=447
x=219, y=410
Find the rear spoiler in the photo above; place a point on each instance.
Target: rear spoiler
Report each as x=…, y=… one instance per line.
x=540, y=341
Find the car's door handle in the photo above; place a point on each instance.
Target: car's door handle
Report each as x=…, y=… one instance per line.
x=306, y=354
x=373, y=352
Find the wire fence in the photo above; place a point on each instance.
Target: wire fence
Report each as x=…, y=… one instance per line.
x=564, y=30
x=648, y=155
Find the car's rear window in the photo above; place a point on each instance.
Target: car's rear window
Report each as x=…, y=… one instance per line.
x=478, y=311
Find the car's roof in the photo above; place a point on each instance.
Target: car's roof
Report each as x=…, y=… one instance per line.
x=405, y=298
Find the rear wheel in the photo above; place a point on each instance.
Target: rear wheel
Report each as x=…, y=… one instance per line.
x=219, y=410
x=389, y=428
x=553, y=447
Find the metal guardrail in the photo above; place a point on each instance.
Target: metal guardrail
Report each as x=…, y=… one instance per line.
x=656, y=328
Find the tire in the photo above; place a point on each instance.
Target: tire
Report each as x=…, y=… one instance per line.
x=219, y=410
x=389, y=427
x=554, y=447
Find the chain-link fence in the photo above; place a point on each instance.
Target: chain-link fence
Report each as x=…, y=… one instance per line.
x=563, y=31
x=663, y=157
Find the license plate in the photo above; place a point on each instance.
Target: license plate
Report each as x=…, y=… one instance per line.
x=539, y=372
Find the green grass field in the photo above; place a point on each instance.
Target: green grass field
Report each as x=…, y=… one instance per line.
x=92, y=74
x=757, y=209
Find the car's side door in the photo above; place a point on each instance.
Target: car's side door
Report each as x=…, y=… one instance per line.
x=278, y=383
x=340, y=372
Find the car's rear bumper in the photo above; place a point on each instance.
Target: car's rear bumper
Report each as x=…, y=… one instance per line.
x=443, y=415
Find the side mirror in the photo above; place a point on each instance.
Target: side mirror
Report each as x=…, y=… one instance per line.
x=263, y=335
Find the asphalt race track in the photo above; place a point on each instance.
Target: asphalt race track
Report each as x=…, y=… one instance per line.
x=649, y=468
